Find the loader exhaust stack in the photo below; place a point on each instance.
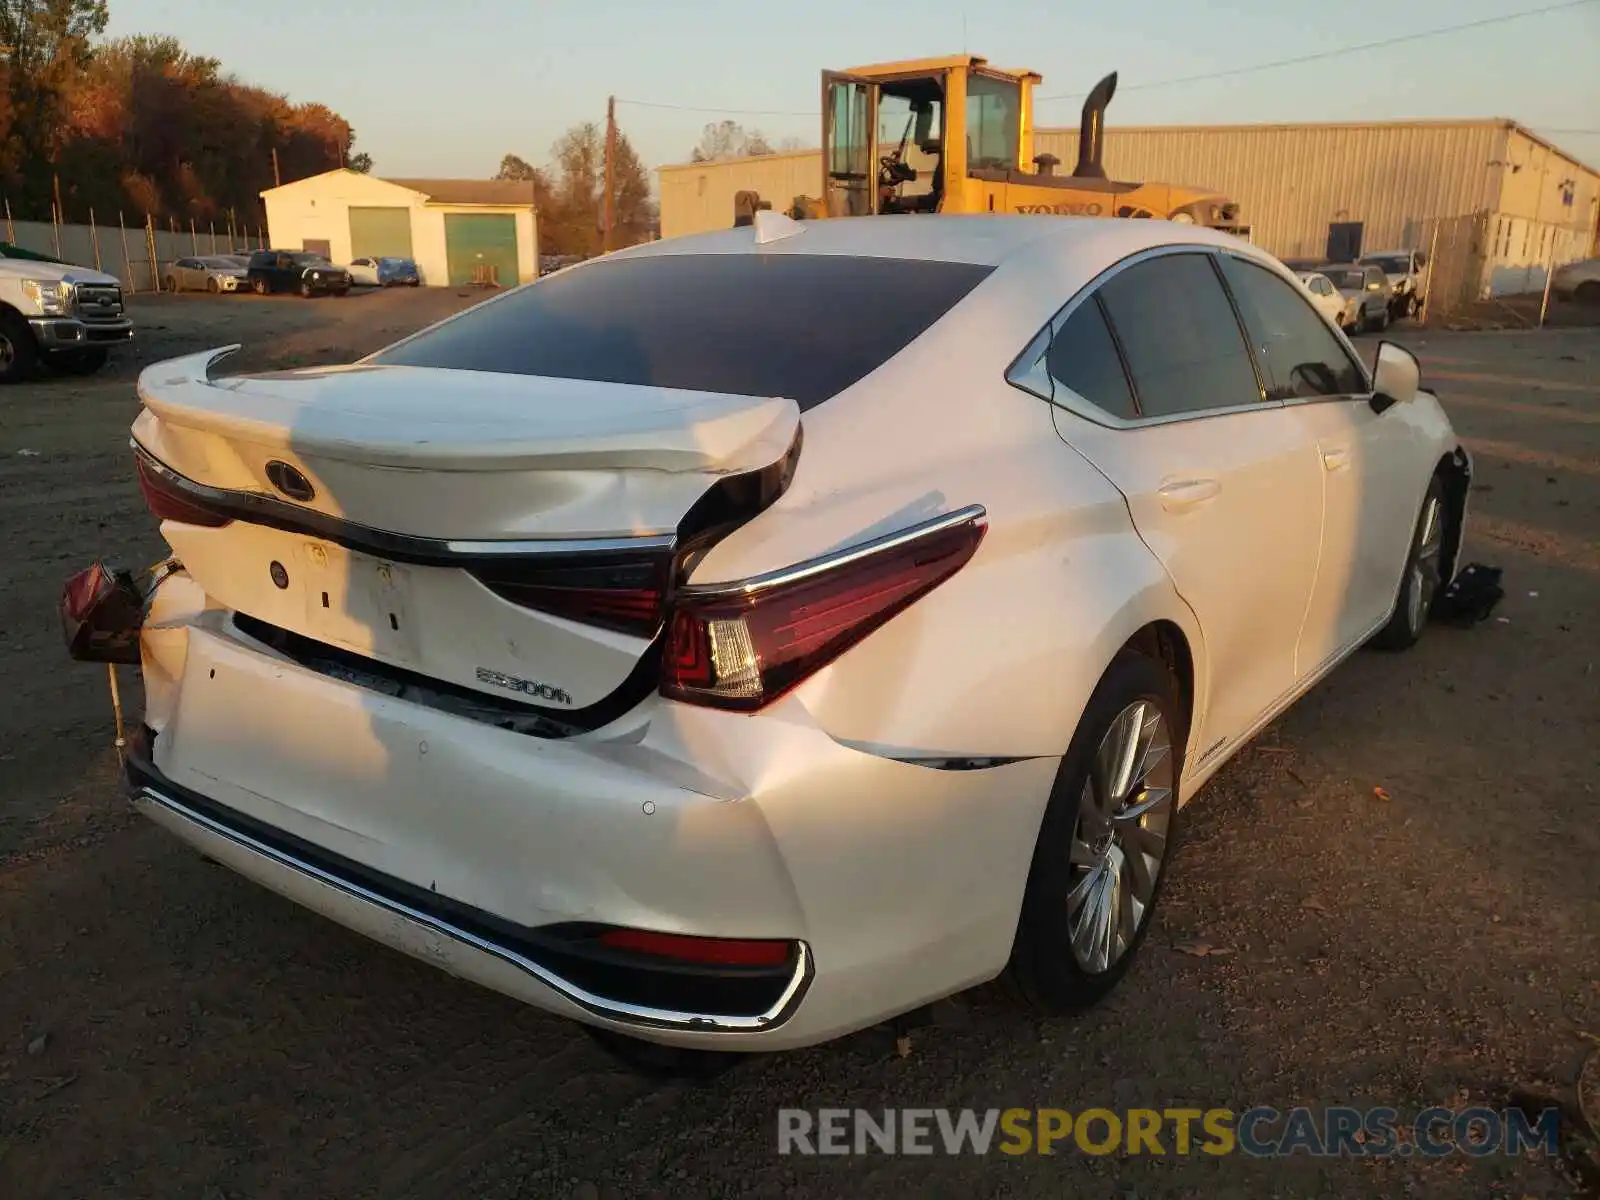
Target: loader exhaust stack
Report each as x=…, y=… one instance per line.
x=1091, y=132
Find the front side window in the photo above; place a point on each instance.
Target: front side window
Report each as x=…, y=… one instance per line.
x=804, y=326
x=1297, y=352
x=994, y=120
x=1184, y=349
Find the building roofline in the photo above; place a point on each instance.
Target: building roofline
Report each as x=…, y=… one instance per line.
x=1505, y=123
x=714, y=162
x=1518, y=127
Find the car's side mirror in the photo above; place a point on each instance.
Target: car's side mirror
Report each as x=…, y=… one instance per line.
x=1396, y=376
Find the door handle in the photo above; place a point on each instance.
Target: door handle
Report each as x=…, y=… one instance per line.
x=1183, y=494
x=1336, y=458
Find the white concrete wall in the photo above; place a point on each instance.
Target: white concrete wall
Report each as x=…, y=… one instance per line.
x=318, y=209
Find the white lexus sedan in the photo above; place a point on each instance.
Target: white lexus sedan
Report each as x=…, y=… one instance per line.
x=739, y=640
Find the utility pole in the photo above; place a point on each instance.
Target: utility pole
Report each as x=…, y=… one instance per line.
x=609, y=228
x=276, y=181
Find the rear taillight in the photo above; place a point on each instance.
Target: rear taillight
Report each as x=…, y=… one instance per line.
x=167, y=502
x=623, y=593
x=742, y=649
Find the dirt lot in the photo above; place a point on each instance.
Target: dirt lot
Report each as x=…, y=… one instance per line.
x=169, y=1030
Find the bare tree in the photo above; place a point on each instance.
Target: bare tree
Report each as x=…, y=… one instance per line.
x=729, y=139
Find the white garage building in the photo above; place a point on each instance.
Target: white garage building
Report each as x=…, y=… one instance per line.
x=458, y=231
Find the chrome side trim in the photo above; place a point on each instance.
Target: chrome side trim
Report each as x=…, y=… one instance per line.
x=528, y=546
x=148, y=797
x=1027, y=372
x=837, y=558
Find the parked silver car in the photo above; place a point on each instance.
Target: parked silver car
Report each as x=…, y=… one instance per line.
x=210, y=273
x=1578, y=281
x=1403, y=270
x=1365, y=284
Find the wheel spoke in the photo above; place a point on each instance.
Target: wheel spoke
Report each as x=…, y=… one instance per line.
x=1151, y=799
x=1145, y=840
x=1432, y=538
x=1119, y=753
x=1129, y=908
x=1138, y=866
x=1119, y=841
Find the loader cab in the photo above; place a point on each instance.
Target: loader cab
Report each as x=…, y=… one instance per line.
x=906, y=137
x=955, y=135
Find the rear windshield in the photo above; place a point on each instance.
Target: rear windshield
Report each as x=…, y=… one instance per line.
x=795, y=325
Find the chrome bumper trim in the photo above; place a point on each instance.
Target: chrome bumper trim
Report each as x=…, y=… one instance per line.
x=147, y=797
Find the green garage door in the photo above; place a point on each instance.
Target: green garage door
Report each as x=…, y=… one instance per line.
x=481, y=241
x=380, y=233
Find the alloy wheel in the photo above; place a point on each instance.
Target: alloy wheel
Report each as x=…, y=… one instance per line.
x=8, y=353
x=1120, y=842
x=1425, y=565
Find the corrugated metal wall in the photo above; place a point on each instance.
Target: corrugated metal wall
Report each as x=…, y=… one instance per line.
x=698, y=197
x=1293, y=181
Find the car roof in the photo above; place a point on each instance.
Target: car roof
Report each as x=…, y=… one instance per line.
x=980, y=239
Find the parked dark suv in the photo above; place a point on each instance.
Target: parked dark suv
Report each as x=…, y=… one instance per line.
x=296, y=271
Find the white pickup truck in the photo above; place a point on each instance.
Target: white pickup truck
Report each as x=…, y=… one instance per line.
x=65, y=316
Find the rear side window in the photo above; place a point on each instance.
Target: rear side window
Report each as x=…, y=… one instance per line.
x=1183, y=345
x=1298, y=354
x=1084, y=358
x=795, y=325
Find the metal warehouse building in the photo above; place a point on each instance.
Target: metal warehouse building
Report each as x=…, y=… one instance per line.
x=458, y=231
x=1492, y=197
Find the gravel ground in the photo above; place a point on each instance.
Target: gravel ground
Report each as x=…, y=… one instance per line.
x=167, y=1029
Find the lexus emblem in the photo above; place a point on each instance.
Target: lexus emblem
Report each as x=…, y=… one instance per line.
x=289, y=481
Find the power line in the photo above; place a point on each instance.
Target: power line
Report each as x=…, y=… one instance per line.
x=1318, y=56
x=732, y=112
x=1339, y=52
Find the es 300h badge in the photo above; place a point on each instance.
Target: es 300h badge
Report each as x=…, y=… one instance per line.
x=528, y=687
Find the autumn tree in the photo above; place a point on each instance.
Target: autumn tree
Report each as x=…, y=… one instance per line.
x=47, y=45
x=570, y=192
x=729, y=139
x=142, y=125
x=514, y=168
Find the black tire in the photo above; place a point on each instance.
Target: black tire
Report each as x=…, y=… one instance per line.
x=259, y=286
x=413, y=283
x=306, y=290
x=19, y=354
x=212, y=286
x=1587, y=293
x=344, y=291
x=1044, y=971
x=80, y=362
x=664, y=1063
x=1420, y=579
x=170, y=283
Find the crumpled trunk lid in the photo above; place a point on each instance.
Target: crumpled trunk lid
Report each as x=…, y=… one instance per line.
x=511, y=535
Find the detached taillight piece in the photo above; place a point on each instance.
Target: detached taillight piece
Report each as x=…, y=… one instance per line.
x=743, y=647
x=102, y=611
x=167, y=501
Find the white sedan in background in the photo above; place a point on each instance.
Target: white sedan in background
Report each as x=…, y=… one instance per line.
x=1342, y=310
x=734, y=675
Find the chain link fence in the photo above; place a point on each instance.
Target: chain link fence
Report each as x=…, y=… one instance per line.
x=139, y=254
x=1458, y=255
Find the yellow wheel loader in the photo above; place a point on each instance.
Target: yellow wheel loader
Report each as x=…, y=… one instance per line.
x=955, y=135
